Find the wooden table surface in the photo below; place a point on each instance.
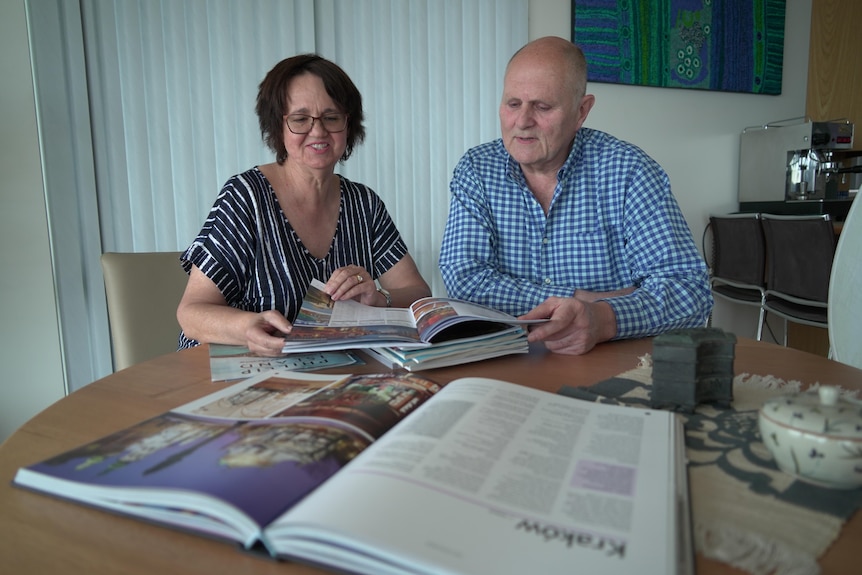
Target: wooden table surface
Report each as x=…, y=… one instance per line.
x=41, y=534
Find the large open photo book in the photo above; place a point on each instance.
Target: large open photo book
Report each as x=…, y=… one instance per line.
x=323, y=324
x=231, y=462
x=390, y=474
x=492, y=477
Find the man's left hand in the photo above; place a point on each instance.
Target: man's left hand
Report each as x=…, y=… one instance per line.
x=575, y=326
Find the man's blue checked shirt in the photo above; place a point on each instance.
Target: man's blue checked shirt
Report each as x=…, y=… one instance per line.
x=613, y=223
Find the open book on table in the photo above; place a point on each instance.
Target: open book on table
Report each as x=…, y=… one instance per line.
x=326, y=325
x=483, y=477
x=231, y=462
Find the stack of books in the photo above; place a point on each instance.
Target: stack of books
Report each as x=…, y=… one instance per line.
x=504, y=342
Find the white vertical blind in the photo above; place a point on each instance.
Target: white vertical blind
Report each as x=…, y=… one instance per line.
x=174, y=84
x=431, y=75
x=65, y=142
x=173, y=88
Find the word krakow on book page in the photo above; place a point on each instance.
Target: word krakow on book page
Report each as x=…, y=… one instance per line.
x=492, y=477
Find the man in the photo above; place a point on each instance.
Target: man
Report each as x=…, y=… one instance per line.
x=568, y=223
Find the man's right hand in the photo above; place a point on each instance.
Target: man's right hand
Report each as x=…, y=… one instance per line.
x=575, y=325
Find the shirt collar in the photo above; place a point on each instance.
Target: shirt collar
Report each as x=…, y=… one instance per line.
x=513, y=169
x=574, y=158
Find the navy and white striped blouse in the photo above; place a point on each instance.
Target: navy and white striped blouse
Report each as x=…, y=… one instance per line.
x=252, y=253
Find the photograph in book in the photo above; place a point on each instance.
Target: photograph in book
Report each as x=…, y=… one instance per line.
x=235, y=462
x=229, y=463
x=322, y=324
x=229, y=362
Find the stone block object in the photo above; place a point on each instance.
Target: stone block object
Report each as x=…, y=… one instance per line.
x=692, y=366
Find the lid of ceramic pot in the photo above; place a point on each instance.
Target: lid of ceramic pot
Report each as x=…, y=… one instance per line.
x=823, y=412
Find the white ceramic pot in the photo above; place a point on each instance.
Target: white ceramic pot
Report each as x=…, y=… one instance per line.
x=815, y=436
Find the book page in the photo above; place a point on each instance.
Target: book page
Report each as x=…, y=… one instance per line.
x=319, y=310
x=491, y=477
x=326, y=325
x=323, y=325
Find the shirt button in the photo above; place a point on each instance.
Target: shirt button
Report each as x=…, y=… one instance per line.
x=546, y=241
x=547, y=281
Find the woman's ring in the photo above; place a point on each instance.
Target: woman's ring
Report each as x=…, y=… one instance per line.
x=359, y=278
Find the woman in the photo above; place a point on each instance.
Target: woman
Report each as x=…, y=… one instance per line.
x=276, y=227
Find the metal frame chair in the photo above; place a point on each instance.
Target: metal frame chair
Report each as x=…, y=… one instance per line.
x=737, y=270
x=799, y=253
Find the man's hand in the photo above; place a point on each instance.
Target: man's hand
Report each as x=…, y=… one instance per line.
x=575, y=325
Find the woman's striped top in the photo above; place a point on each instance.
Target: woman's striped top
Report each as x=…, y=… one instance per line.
x=248, y=248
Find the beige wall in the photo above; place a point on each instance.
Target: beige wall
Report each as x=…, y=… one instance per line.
x=31, y=376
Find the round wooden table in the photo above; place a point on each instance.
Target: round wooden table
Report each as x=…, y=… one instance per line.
x=40, y=534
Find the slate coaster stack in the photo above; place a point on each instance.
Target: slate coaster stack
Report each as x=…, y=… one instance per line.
x=692, y=366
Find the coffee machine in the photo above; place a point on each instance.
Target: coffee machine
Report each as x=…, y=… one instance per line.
x=797, y=167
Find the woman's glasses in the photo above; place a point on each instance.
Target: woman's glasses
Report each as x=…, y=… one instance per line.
x=303, y=123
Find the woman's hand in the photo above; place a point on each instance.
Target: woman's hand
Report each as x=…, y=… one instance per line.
x=264, y=334
x=205, y=316
x=403, y=281
x=354, y=282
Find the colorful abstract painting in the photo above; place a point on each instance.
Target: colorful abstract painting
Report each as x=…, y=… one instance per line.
x=727, y=45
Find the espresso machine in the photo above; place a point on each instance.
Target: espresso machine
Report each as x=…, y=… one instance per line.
x=798, y=167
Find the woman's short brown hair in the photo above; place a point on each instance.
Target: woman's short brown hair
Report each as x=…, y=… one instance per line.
x=272, y=96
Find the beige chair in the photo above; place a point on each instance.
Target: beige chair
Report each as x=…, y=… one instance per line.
x=845, y=292
x=143, y=291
